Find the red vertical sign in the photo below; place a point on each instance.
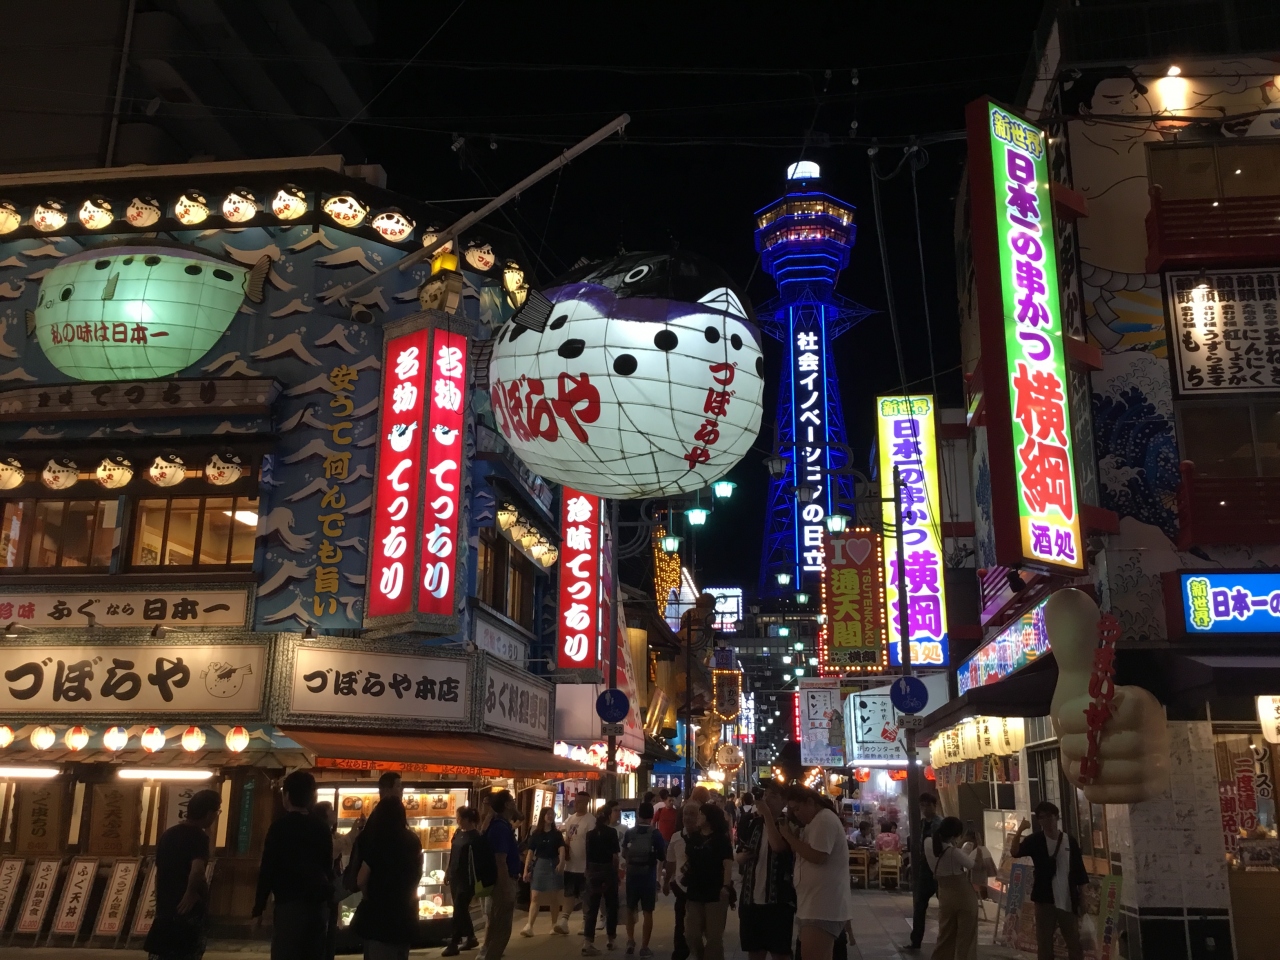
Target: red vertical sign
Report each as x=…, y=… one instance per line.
x=578, y=619
x=443, y=493
x=395, y=519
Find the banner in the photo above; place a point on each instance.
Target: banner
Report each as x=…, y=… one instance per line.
x=331, y=681
x=821, y=723
x=853, y=600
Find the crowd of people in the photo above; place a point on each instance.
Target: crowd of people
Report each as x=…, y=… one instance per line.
x=778, y=856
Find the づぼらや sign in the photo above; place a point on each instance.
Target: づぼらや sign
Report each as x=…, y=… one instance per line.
x=329, y=681
x=578, y=619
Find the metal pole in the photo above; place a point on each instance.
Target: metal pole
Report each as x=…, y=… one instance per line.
x=916, y=845
x=688, y=710
x=613, y=638
x=124, y=66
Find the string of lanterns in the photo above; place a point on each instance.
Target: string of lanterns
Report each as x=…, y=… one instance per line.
x=523, y=533
x=116, y=471
x=977, y=738
x=116, y=738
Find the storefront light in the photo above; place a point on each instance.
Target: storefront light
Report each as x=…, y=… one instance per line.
x=223, y=469
x=12, y=474
x=167, y=470
x=192, y=739
x=549, y=558
x=10, y=218
x=392, y=225
x=42, y=738
x=77, y=738
x=114, y=472
x=115, y=739
x=6, y=736
x=345, y=210
x=507, y=515
x=162, y=773
x=49, y=216
x=237, y=739
x=289, y=202
x=28, y=773
x=153, y=739
x=240, y=206
x=513, y=283
x=191, y=208
x=60, y=474
x=95, y=213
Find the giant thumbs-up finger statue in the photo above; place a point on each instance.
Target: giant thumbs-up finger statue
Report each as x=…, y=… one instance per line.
x=1113, y=741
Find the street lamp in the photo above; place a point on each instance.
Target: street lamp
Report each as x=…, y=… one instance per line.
x=784, y=631
x=802, y=598
x=697, y=516
x=670, y=544
x=798, y=645
x=776, y=464
x=806, y=493
x=837, y=523
x=784, y=578
x=723, y=489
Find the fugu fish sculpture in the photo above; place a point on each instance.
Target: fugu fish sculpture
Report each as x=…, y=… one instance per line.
x=638, y=377
x=139, y=311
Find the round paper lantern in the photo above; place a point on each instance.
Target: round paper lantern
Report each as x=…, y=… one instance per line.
x=191, y=208
x=167, y=470
x=393, y=225
x=345, y=210
x=968, y=730
x=10, y=218
x=42, y=738
x=143, y=212
x=929, y=774
x=431, y=236
x=988, y=735
x=223, y=469
x=49, y=216
x=6, y=737
x=192, y=739
x=479, y=254
x=240, y=206
x=153, y=739
x=76, y=738
x=11, y=473
x=289, y=203
x=237, y=739
x=139, y=311
x=1013, y=734
x=115, y=739
x=645, y=382
x=60, y=474
x=95, y=213
x=114, y=472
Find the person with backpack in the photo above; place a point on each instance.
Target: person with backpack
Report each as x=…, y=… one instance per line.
x=602, y=855
x=460, y=877
x=643, y=848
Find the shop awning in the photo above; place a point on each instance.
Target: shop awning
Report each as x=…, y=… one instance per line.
x=1026, y=693
x=444, y=753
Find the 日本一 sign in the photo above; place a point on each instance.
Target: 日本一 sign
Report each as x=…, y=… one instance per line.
x=853, y=600
x=1035, y=509
x=1230, y=602
x=334, y=682
x=131, y=608
x=578, y=617
x=908, y=440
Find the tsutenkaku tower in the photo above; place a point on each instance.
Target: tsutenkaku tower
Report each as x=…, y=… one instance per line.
x=804, y=240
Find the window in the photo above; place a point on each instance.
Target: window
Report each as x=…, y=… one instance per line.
x=504, y=578
x=1214, y=171
x=1238, y=439
x=194, y=532
x=45, y=535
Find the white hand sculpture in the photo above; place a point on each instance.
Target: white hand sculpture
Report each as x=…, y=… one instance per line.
x=1133, y=753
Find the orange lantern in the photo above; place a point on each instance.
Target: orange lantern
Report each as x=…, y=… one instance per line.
x=192, y=739
x=897, y=774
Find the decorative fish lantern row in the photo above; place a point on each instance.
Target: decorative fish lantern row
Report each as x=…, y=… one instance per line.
x=638, y=377
x=139, y=311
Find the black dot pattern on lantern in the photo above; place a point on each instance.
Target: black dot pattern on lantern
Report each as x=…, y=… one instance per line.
x=559, y=321
x=760, y=366
x=625, y=365
x=666, y=340
x=712, y=335
x=572, y=348
x=736, y=342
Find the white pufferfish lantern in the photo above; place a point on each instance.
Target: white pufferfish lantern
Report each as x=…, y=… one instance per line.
x=645, y=381
x=167, y=470
x=60, y=474
x=224, y=468
x=393, y=225
x=12, y=473
x=115, y=471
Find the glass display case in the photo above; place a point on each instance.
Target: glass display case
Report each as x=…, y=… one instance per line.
x=431, y=812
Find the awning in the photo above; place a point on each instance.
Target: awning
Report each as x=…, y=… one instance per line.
x=1026, y=693
x=444, y=753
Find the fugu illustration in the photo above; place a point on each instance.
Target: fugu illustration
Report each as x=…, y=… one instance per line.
x=638, y=377
x=141, y=310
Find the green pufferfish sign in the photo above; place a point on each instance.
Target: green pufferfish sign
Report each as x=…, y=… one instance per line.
x=139, y=311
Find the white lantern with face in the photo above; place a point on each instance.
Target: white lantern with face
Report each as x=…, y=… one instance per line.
x=10, y=218
x=479, y=254
x=646, y=381
x=11, y=473
x=95, y=213
x=240, y=206
x=60, y=474
x=191, y=208
x=224, y=469
x=345, y=210
x=49, y=216
x=143, y=212
x=167, y=470
x=393, y=225
x=289, y=203
x=114, y=472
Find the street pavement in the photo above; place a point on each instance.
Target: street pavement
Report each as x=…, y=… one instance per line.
x=882, y=924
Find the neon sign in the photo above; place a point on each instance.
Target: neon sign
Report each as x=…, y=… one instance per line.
x=578, y=619
x=442, y=496
x=908, y=440
x=1215, y=603
x=1022, y=642
x=852, y=639
x=809, y=412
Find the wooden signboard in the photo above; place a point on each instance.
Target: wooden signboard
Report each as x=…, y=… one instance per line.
x=74, y=901
x=115, y=899
x=10, y=877
x=146, y=912
x=44, y=877
x=40, y=827
x=113, y=819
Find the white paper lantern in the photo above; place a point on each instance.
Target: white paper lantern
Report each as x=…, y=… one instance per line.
x=237, y=739
x=223, y=469
x=968, y=731
x=240, y=206
x=6, y=736
x=167, y=470
x=289, y=203
x=10, y=218
x=115, y=739
x=650, y=375
x=988, y=735
x=76, y=738
x=153, y=739
x=11, y=473
x=1013, y=734
x=392, y=225
x=143, y=211
x=49, y=216
x=345, y=210
x=42, y=738
x=192, y=739
x=95, y=213
x=114, y=472
x=60, y=474
x=191, y=208
x=479, y=255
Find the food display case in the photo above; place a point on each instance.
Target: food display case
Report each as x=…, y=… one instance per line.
x=431, y=811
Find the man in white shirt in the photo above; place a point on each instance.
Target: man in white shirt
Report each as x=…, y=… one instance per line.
x=576, y=827
x=823, y=904
x=673, y=875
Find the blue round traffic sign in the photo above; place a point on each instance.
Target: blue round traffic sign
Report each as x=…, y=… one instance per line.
x=612, y=706
x=909, y=694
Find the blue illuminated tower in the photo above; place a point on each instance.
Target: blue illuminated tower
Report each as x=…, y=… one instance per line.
x=804, y=241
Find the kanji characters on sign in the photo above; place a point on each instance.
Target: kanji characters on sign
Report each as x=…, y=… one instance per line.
x=442, y=496
x=578, y=616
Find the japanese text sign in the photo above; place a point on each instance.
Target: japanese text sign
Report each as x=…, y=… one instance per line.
x=1225, y=330
x=44, y=877
x=809, y=423
x=135, y=608
x=853, y=600
x=443, y=493
x=75, y=896
x=395, y=519
x=135, y=679
x=875, y=731
x=1020, y=643
x=330, y=681
x=908, y=440
x=1230, y=602
x=115, y=898
x=578, y=618
x=1035, y=513
x=821, y=723
x=10, y=874
x=519, y=703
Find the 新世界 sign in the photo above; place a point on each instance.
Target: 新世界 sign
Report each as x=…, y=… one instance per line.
x=1216, y=602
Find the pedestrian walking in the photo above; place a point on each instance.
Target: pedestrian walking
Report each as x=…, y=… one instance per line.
x=747, y=814
x=1058, y=875
x=544, y=871
x=673, y=875
x=643, y=849
x=603, y=852
x=767, y=907
x=297, y=873
x=500, y=906
x=957, y=902
x=460, y=877
x=708, y=884
x=666, y=815
x=823, y=904
x=323, y=813
x=387, y=915
x=182, y=893
x=576, y=827
x=923, y=885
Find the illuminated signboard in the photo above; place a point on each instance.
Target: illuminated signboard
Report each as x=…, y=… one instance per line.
x=809, y=427
x=1035, y=510
x=1214, y=602
x=395, y=521
x=578, y=641
x=443, y=480
x=821, y=722
x=728, y=607
x=908, y=440
x=1020, y=643
x=852, y=639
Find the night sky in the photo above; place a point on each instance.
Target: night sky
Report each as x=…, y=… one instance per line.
x=720, y=103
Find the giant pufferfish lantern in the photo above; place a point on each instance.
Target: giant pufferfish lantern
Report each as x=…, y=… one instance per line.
x=638, y=377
